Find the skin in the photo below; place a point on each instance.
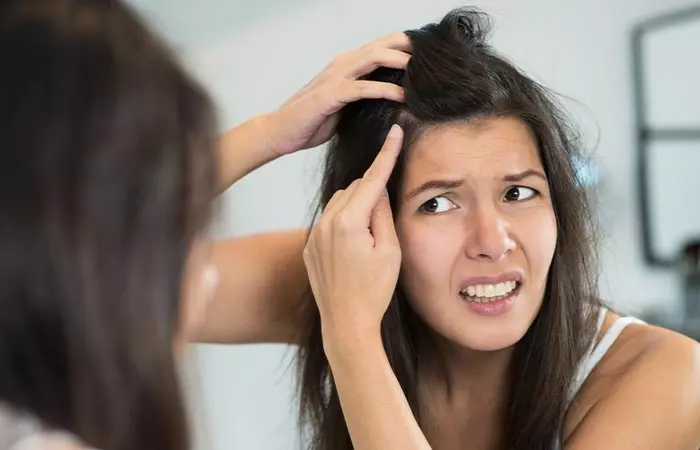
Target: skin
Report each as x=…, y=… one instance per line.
x=354, y=257
x=498, y=219
x=475, y=229
x=643, y=395
x=262, y=278
x=249, y=289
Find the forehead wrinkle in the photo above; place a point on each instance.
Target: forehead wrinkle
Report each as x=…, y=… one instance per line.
x=436, y=154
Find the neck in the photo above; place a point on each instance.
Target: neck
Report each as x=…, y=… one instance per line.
x=465, y=378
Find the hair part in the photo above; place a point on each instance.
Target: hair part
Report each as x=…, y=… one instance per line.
x=454, y=75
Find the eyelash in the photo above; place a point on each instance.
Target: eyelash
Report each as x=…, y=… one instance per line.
x=535, y=193
x=422, y=207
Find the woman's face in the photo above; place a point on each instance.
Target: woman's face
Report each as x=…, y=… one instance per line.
x=477, y=231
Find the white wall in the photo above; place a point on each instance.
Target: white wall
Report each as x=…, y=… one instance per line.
x=252, y=55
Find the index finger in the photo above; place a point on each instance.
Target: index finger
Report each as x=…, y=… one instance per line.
x=375, y=179
x=395, y=41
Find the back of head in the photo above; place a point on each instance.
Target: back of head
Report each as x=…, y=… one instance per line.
x=455, y=76
x=106, y=174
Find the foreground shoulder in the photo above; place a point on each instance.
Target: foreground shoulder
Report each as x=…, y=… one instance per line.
x=644, y=394
x=650, y=351
x=49, y=441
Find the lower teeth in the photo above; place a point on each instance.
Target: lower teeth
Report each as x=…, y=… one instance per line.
x=486, y=299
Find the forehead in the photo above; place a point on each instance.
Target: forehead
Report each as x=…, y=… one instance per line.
x=488, y=147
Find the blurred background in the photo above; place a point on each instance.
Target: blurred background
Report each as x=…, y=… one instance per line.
x=627, y=70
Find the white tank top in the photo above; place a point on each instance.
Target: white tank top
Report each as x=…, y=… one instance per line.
x=595, y=353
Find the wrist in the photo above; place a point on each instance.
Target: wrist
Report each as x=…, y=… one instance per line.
x=244, y=148
x=269, y=127
x=265, y=127
x=351, y=344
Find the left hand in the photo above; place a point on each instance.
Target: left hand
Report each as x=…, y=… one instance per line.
x=308, y=118
x=353, y=255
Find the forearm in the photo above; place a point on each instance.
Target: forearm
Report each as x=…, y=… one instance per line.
x=243, y=149
x=376, y=411
x=261, y=293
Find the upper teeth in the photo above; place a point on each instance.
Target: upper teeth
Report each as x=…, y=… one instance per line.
x=489, y=290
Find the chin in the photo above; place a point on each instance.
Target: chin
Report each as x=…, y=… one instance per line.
x=465, y=329
x=489, y=339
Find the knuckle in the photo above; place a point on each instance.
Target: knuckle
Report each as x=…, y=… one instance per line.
x=334, y=198
x=373, y=53
x=344, y=222
x=358, y=88
x=397, y=36
x=340, y=60
x=323, y=225
x=353, y=186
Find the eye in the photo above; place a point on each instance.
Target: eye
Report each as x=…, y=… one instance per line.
x=519, y=193
x=437, y=205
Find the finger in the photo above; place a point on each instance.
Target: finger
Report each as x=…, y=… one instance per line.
x=360, y=89
x=382, y=223
x=374, y=181
x=332, y=205
x=340, y=199
x=373, y=57
x=348, y=194
x=396, y=41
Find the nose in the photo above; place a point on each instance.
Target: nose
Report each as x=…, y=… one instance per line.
x=488, y=236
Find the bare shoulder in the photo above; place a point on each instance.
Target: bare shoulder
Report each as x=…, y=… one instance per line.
x=50, y=441
x=642, y=348
x=650, y=377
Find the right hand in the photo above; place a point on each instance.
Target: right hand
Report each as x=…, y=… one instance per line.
x=353, y=255
x=309, y=118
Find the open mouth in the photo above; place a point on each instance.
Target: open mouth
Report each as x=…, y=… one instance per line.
x=489, y=293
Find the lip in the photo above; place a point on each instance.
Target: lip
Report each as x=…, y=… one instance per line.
x=511, y=275
x=496, y=308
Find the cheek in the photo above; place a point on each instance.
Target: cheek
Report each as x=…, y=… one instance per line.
x=539, y=238
x=429, y=251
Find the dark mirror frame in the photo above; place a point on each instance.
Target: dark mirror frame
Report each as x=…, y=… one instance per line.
x=645, y=133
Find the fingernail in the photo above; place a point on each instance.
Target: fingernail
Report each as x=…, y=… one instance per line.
x=395, y=131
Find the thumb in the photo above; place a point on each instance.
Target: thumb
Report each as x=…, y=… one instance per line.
x=381, y=224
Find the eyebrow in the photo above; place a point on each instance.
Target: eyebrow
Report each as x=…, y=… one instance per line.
x=513, y=178
x=453, y=184
x=434, y=184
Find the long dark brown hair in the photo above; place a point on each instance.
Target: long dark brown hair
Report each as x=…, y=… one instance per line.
x=106, y=176
x=455, y=75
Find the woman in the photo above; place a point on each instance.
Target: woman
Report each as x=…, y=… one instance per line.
x=107, y=173
x=459, y=309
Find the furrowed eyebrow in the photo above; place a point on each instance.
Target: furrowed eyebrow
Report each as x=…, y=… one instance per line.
x=514, y=178
x=434, y=184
